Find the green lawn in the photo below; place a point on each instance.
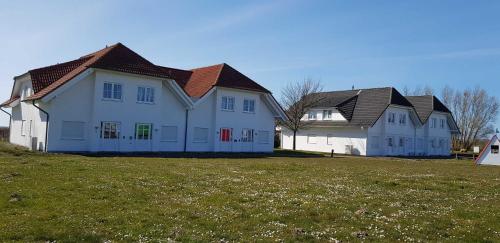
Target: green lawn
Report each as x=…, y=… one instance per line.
x=80, y=198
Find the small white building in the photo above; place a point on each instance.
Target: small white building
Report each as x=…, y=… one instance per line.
x=375, y=122
x=115, y=100
x=490, y=154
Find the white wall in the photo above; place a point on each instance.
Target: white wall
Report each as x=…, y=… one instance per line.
x=336, y=116
x=83, y=102
x=261, y=120
x=34, y=119
x=488, y=158
x=373, y=141
x=382, y=130
x=339, y=138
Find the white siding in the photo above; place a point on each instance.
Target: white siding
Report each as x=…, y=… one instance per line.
x=339, y=137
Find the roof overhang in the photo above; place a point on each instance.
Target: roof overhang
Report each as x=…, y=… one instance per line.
x=274, y=106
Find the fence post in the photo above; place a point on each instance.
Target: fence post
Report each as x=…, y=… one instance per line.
x=331, y=155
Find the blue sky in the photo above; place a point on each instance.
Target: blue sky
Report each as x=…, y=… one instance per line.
x=341, y=43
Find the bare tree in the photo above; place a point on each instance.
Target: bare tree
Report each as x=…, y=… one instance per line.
x=475, y=113
x=418, y=90
x=297, y=99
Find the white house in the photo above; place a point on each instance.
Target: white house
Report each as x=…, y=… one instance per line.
x=490, y=154
x=115, y=100
x=375, y=122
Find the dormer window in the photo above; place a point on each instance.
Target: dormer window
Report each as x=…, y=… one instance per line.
x=327, y=115
x=311, y=115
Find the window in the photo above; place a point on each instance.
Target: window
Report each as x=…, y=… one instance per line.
x=327, y=114
x=249, y=106
x=73, y=130
x=30, y=131
x=112, y=91
x=200, y=135
x=433, y=123
x=110, y=130
x=401, y=141
x=311, y=139
x=402, y=119
x=225, y=134
x=247, y=135
x=227, y=103
x=263, y=137
x=390, y=142
x=143, y=131
x=494, y=149
x=145, y=95
x=169, y=133
x=375, y=142
x=329, y=139
x=441, y=123
x=23, y=127
x=311, y=115
x=392, y=118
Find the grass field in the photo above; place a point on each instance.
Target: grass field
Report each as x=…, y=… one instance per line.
x=310, y=198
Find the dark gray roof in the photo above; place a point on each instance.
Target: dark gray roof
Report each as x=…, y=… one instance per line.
x=426, y=104
x=363, y=107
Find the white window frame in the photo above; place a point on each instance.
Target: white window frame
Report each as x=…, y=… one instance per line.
x=23, y=127
x=310, y=141
x=402, y=142
x=327, y=114
x=117, y=130
x=248, y=105
x=392, y=118
x=227, y=103
x=204, y=140
x=73, y=138
x=264, y=141
x=390, y=142
x=247, y=135
x=113, y=91
x=312, y=115
x=163, y=139
x=433, y=122
x=494, y=148
x=402, y=119
x=441, y=123
x=138, y=136
x=148, y=97
x=230, y=139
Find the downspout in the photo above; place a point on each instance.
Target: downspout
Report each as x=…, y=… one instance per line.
x=10, y=119
x=46, y=126
x=186, y=130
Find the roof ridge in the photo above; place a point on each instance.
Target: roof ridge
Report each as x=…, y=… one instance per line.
x=218, y=75
x=82, y=67
x=343, y=90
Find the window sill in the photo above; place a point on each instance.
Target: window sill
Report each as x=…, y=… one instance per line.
x=113, y=100
x=168, y=141
x=248, y=112
x=227, y=110
x=145, y=103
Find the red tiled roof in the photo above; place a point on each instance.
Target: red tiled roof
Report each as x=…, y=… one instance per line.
x=222, y=75
x=8, y=102
x=195, y=82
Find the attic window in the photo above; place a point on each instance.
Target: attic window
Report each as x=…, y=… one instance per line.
x=494, y=149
